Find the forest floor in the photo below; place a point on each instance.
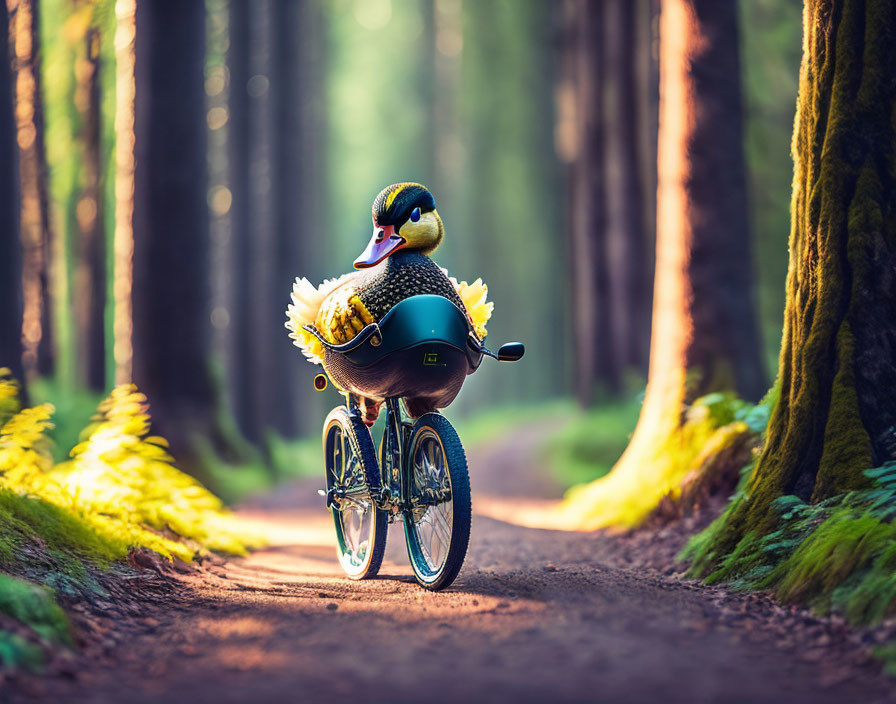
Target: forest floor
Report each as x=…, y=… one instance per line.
x=535, y=615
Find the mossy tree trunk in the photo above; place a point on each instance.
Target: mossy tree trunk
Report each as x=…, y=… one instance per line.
x=836, y=411
x=10, y=240
x=705, y=333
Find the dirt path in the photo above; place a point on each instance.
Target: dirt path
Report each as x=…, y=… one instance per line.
x=535, y=616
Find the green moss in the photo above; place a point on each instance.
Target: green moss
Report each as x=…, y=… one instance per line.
x=16, y=652
x=656, y=468
x=36, y=607
x=836, y=555
x=26, y=519
x=841, y=238
x=847, y=447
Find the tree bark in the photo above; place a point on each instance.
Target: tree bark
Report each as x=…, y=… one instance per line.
x=123, y=235
x=296, y=134
x=626, y=236
x=90, y=274
x=239, y=350
x=35, y=218
x=704, y=316
x=261, y=264
x=835, y=414
x=11, y=255
x=705, y=334
x=610, y=244
x=594, y=362
x=171, y=328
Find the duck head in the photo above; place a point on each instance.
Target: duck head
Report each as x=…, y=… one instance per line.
x=404, y=217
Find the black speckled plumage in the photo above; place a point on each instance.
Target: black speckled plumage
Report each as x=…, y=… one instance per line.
x=400, y=276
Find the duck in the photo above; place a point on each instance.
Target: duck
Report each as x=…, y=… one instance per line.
x=396, y=264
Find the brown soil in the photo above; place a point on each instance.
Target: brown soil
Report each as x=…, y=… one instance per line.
x=535, y=615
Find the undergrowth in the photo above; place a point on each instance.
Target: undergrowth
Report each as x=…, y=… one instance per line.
x=588, y=446
x=118, y=491
x=653, y=473
x=837, y=555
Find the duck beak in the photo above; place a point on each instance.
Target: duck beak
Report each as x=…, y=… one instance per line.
x=384, y=242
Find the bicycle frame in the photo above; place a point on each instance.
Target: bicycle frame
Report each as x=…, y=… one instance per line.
x=392, y=495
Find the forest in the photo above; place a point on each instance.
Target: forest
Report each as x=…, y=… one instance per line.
x=684, y=209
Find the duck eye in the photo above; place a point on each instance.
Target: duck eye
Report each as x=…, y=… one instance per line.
x=415, y=214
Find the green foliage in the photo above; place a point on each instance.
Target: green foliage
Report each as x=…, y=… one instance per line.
x=887, y=654
x=482, y=426
x=123, y=473
x=118, y=491
x=836, y=555
x=651, y=472
x=588, y=446
x=72, y=413
x=283, y=460
x=724, y=408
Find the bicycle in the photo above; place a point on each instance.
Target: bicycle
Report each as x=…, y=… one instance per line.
x=422, y=349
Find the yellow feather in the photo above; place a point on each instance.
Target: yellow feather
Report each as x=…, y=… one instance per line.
x=306, y=301
x=391, y=197
x=399, y=187
x=475, y=300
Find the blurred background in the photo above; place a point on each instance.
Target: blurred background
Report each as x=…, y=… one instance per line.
x=172, y=165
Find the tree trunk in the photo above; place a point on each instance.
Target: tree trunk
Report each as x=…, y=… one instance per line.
x=171, y=279
x=705, y=335
x=123, y=235
x=626, y=237
x=835, y=413
x=704, y=319
x=90, y=273
x=298, y=174
x=647, y=61
x=609, y=239
x=35, y=219
x=594, y=362
x=261, y=216
x=11, y=256
x=240, y=250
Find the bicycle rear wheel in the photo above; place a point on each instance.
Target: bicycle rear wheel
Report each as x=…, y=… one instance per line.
x=439, y=512
x=350, y=461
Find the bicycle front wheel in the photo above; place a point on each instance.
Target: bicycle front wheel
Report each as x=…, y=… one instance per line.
x=361, y=528
x=439, y=511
